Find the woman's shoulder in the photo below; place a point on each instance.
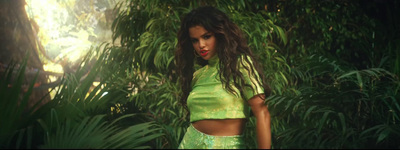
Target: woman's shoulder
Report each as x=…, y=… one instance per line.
x=198, y=72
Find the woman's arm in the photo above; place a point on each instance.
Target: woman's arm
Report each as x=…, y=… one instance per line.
x=263, y=122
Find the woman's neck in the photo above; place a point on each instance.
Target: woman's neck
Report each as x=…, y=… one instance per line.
x=213, y=60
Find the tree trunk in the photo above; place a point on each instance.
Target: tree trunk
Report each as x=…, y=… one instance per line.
x=19, y=38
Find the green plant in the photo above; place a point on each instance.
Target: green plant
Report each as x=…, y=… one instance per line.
x=15, y=114
x=95, y=133
x=79, y=116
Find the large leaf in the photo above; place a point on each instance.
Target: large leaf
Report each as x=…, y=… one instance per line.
x=95, y=133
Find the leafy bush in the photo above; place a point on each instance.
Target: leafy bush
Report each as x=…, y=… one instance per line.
x=329, y=85
x=77, y=117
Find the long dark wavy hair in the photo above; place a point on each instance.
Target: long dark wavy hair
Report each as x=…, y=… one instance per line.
x=231, y=44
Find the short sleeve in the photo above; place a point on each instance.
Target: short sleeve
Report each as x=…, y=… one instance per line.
x=250, y=78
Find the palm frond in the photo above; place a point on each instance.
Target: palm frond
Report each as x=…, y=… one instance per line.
x=95, y=133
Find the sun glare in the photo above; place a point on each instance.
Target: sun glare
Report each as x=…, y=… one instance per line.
x=68, y=29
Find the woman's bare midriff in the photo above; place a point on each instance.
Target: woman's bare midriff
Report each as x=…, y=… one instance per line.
x=220, y=127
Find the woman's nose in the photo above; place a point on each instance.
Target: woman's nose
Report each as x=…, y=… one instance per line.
x=202, y=44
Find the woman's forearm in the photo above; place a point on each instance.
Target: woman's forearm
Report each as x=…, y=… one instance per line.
x=263, y=128
x=263, y=122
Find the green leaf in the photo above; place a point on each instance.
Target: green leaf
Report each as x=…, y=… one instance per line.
x=384, y=134
x=309, y=110
x=343, y=123
x=323, y=121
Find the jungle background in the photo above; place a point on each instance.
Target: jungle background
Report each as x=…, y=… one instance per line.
x=102, y=75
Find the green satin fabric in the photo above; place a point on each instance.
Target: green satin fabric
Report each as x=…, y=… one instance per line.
x=209, y=100
x=195, y=139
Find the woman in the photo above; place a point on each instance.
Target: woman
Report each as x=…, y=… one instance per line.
x=219, y=94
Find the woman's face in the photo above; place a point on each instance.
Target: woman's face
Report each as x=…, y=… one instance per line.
x=203, y=42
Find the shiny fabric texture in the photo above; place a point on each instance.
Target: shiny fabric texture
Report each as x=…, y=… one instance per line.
x=195, y=139
x=209, y=99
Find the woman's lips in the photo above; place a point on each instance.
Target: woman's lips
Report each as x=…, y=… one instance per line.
x=203, y=52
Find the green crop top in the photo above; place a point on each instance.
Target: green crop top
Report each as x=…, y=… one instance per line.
x=209, y=99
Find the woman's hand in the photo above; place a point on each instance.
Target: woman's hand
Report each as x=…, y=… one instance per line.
x=263, y=121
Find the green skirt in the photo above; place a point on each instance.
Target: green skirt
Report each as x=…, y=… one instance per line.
x=195, y=139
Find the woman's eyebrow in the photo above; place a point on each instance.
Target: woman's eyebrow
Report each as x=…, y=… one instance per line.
x=205, y=34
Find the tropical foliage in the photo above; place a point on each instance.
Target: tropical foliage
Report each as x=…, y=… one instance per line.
x=333, y=68
x=77, y=117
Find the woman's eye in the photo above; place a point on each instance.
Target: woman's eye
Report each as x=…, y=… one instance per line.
x=207, y=37
x=194, y=40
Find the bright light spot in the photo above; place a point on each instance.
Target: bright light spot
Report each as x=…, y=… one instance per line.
x=51, y=67
x=105, y=93
x=69, y=28
x=96, y=83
